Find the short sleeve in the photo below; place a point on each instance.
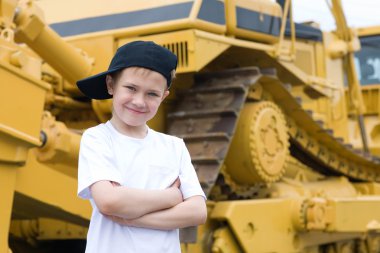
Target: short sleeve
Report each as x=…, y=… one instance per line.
x=96, y=162
x=190, y=185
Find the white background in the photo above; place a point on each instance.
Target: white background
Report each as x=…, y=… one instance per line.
x=359, y=13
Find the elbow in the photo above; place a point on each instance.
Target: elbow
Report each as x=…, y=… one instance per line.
x=107, y=198
x=106, y=206
x=201, y=216
x=104, y=197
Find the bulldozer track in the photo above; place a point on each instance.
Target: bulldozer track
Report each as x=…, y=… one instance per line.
x=322, y=147
x=206, y=118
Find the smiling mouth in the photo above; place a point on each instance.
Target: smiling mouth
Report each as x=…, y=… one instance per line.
x=135, y=111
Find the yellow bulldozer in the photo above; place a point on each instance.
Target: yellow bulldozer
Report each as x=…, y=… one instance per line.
x=281, y=121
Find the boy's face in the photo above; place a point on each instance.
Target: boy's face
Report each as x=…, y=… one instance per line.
x=137, y=94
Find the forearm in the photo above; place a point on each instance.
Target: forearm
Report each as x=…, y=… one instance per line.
x=132, y=203
x=191, y=212
x=136, y=202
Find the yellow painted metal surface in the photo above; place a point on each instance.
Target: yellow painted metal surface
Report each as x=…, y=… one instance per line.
x=253, y=221
x=345, y=218
x=44, y=41
x=262, y=8
x=81, y=9
x=57, y=190
x=22, y=89
x=60, y=144
x=371, y=30
x=224, y=241
x=117, y=7
x=46, y=229
x=249, y=222
x=194, y=52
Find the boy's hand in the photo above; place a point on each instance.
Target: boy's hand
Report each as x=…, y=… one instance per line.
x=177, y=194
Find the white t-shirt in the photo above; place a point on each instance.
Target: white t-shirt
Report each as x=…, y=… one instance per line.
x=150, y=163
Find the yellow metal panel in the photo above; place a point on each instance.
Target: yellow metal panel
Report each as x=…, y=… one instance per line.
x=12, y=149
x=262, y=7
x=320, y=68
x=224, y=241
x=368, y=31
x=254, y=220
x=355, y=215
x=119, y=7
x=101, y=48
x=370, y=99
x=294, y=223
x=46, y=229
x=373, y=131
x=21, y=103
x=181, y=43
x=26, y=96
x=334, y=67
x=57, y=190
x=193, y=52
x=368, y=188
x=60, y=11
x=305, y=57
x=205, y=51
x=21, y=100
x=50, y=229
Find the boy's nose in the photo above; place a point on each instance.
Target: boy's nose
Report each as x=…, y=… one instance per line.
x=138, y=100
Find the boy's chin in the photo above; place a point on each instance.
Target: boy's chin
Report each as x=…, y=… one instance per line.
x=129, y=123
x=134, y=123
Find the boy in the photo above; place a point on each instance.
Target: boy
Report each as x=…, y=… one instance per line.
x=141, y=183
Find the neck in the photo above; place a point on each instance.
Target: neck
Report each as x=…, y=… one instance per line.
x=132, y=131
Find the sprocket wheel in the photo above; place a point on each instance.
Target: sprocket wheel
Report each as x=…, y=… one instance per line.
x=260, y=148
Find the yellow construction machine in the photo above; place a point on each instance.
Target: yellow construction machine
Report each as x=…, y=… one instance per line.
x=281, y=120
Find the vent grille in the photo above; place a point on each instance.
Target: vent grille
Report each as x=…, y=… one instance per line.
x=181, y=50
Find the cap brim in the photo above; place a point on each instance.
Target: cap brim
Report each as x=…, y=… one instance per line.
x=95, y=86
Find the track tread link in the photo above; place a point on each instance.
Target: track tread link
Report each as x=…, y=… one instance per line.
x=206, y=118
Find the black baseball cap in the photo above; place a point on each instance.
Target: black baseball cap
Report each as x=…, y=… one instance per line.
x=145, y=54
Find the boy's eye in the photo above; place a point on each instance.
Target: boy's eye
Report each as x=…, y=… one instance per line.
x=131, y=88
x=152, y=94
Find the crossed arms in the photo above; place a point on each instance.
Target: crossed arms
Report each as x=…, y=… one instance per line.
x=157, y=209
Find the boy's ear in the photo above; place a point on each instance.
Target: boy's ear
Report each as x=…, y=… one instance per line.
x=109, y=83
x=166, y=93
